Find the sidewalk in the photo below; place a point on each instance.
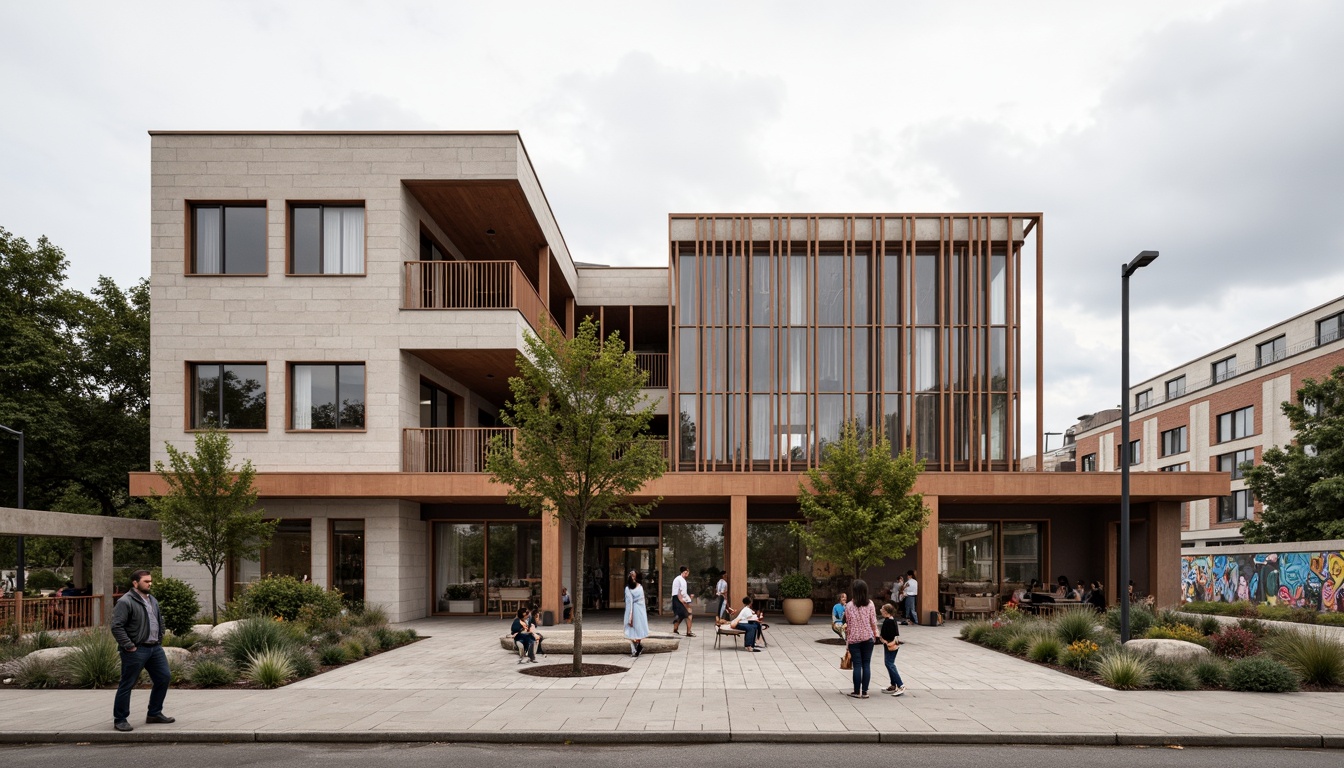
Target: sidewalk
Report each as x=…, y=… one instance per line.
x=459, y=686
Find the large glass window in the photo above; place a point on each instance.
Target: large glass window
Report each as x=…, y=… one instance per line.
x=1330, y=329
x=513, y=556
x=698, y=546
x=1271, y=351
x=799, y=294
x=1224, y=369
x=347, y=558
x=436, y=406
x=688, y=298
x=832, y=355
x=687, y=427
x=772, y=553
x=327, y=239
x=459, y=567
x=1175, y=441
x=1175, y=387
x=1232, y=462
x=228, y=239
x=762, y=291
x=290, y=553
x=327, y=396
x=228, y=396
x=860, y=287
x=1090, y=463
x=1236, y=424
x=998, y=290
x=1239, y=506
x=926, y=289
x=830, y=289
x=990, y=557
x=1022, y=547
x=891, y=289
x=762, y=360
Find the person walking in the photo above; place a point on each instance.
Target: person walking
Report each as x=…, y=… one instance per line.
x=860, y=631
x=911, y=592
x=721, y=591
x=890, y=645
x=137, y=626
x=636, y=614
x=681, y=602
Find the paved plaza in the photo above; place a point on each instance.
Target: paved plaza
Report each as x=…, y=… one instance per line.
x=459, y=685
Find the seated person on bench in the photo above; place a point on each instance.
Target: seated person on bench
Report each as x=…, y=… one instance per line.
x=838, y=615
x=748, y=621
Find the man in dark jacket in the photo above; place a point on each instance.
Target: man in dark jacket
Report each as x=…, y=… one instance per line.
x=137, y=626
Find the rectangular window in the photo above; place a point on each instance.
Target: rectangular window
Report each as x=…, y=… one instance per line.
x=1143, y=399
x=1271, y=351
x=1231, y=462
x=1224, y=369
x=926, y=289
x=1182, y=467
x=926, y=359
x=1090, y=462
x=1330, y=329
x=228, y=239
x=327, y=396
x=1239, y=506
x=1236, y=424
x=228, y=396
x=1175, y=441
x=347, y=558
x=1175, y=387
x=688, y=297
x=436, y=406
x=830, y=289
x=326, y=239
x=1135, y=453
x=762, y=291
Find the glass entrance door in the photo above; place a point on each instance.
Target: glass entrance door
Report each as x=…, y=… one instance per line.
x=622, y=560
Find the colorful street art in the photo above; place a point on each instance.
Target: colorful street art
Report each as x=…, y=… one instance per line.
x=1299, y=579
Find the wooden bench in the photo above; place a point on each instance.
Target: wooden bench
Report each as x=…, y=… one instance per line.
x=723, y=630
x=973, y=605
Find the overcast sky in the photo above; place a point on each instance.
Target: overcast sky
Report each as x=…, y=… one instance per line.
x=1211, y=131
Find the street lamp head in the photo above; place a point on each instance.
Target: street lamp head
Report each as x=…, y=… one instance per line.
x=1142, y=260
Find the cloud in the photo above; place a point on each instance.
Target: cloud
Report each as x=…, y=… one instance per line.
x=364, y=112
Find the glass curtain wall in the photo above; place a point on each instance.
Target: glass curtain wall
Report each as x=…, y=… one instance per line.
x=772, y=553
x=474, y=561
x=993, y=557
x=700, y=547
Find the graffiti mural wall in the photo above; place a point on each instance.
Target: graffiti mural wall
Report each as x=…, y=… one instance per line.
x=1300, y=579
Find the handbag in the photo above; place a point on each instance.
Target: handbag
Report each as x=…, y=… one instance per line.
x=846, y=662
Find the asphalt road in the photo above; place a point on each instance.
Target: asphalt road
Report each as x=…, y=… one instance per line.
x=767, y=755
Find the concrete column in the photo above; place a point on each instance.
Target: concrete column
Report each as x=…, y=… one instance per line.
x=544, y=275
x=1112, y=562
x=737, y=551
x=78, y=576
x=1164, y=553
x=551, y=560
x=926, y=562
x=102, y=575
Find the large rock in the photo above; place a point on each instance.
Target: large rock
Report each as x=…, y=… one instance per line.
x=203, y=631
x=1174, y=650
x=57, y=654
x=223, y=630
x=597, y=641
x=176, y=655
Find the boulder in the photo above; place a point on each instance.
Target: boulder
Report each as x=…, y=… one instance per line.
x=50, y=654
x=223, y=630
x=1173, y=650
x=203, y=631
x=176, y=655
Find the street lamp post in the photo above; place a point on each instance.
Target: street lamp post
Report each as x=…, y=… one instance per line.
x=1142, y=260
x=18, y=581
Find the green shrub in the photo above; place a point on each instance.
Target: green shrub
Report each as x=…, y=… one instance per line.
x=387, y=638
x=1260, y=674
x=286, y=596
x=189, y=640
x=1183, y=632
x=255, y=636
x=405, y=636
x=1019, y=644
x=1045, y=650
x=95, y=662
x=974, y=631
x=1141, y=619
x=42, y=640
x=301, y=659
x=1208, y=625
x=1123, y=669
x=37, y=673
x=1211, y=672
x=354, y=650
x=39, y=580
x=793, y=586
x=997, y=638
x=1168, y=675
x=178, y=603
x=1079, y=654
x=1234, y=643
x=270, y=668
x=212, y=673
x=1075, y=624
x=330, y=654
x=1257, y=628
x=376, y=616
x=1331, y=619
x=1316, y=658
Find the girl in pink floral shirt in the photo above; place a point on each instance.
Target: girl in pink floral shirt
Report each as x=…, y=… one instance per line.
x=860, y=631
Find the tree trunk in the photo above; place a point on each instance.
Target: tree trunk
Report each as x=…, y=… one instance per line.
x=582, y=530
x=214, y=601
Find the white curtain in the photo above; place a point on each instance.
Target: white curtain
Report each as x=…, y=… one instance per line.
x=926, y=359
x=302, y=389
x=342, y=240
x=209, y=254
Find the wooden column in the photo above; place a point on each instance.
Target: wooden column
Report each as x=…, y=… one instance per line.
x=1112, y=562
x=102, y=575
x=926, y=562
x=737, y=551
x=544, y=275
x=551, y=560
x=1164, y=553
x=569, y=318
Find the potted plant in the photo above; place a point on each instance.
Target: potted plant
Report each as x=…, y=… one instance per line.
x=460, y=599
x=796, y=590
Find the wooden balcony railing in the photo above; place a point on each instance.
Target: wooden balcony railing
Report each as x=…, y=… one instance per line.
x=473, y=285
x=457, y=449
x=52, y=613
x=656, y=365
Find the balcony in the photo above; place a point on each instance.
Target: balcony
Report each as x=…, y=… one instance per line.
x=473, y=285
x=456, y=449
x=655, y=364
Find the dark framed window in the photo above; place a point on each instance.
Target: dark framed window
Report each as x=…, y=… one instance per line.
x=347, y=558
x=1175, y=387
x=436, y=406
x=1231, y=462
x=228, y=396
x=1090, y=462
x=1135, y=453
x=1182, y=467
x=1143, y=399
x=1330, y=329
x=1236, y=424
x=326, y=239
x=228, y=239
x=1175, y=441
x=326, y=396
x=1271, y=351
x=1239, y=506
x=1224, y=369
x=430, y=250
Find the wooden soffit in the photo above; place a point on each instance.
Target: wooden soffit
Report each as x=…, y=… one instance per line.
x=467, y=210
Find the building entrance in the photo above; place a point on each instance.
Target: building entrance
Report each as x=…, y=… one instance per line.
x=611, y=552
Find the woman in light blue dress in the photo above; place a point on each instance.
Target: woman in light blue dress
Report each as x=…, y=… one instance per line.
x=636, y=614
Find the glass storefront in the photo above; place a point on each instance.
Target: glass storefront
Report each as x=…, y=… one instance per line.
x=699, y=546
x=347, y=558
x=290, y=554
x=478, y=564
x=989, y=557
x=772, y=553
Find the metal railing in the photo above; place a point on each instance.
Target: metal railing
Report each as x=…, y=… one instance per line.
x=458, y=449
x=655, y=363
x=473, y=285
x=52, y=613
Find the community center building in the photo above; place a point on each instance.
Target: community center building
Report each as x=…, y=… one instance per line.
x=349, y=307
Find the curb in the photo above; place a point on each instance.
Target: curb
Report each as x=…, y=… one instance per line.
x=1273, y=741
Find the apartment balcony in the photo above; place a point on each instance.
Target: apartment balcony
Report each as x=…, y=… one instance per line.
x=474, y=285
x=655, y=364
x=457, y=449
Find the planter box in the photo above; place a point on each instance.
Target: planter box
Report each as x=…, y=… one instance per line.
x=464, y=606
